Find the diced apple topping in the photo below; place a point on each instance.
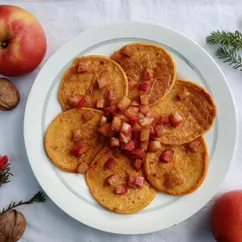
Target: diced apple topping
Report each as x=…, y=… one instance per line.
x=144, y=109
x=144, y=99
x=183, y=94
x=76, y=101
x=115, y=56
x=123, y=117
x=176, y=119
x=138, y=153
x=132, y=114
x=103, y=120
x=146, y=121
x=145, y=134
x=112, y=179
x=135, y=104
x=152, y=130
x=148, y=74
x=136, y=127
x=194, y=145
x=121, y=189
x=139, y=181
x=144, y=86
x=100, y=103
x=125, y=138
x=110, y=164
x=130, y=145
x=159, y=130
x=167, y=155
x=124, y=103
x=116, y=124
x=104, y=129
x=114, y=142
x=82, y=168
x=131, y=181
x=154, y=146
x=76, y=135
x=144, y=145
x=128, y=51
x=165, y=119
x=173, y=180
x=77, y=150
x=88, y=115
x=82, y=67
x=137, y=164
x=111, y=95
x=102, y=81
x=111, y=110
x=126, y=128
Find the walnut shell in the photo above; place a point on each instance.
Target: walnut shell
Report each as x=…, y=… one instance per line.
x=9, y=95
x=12, y=226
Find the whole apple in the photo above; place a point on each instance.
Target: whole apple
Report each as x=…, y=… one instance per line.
x=22, y=41
x=226, y=220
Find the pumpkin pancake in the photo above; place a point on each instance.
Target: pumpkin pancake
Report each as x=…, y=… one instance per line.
x=150, y=69
x=134, y=200
x=59, y=138
x=193, y=104
x=181, y=176
x=92, y=77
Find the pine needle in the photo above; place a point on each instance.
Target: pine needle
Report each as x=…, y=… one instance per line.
x=5, y=174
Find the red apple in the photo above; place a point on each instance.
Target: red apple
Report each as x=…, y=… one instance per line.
x=226, y=220
x=22, y=41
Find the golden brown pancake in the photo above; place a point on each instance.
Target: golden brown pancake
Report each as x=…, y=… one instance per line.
x=181, y=176
x=85, y=83
x=152, y=58
x=131, y=202
x=198, y=110
x=58, y=139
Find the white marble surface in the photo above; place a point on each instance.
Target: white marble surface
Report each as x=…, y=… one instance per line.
x=63, y=20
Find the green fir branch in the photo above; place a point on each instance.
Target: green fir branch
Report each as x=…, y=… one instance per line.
x=5, y=174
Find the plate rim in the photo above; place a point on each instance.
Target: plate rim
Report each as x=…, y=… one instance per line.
x=93, y=30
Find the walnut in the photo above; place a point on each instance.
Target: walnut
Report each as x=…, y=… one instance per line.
x=12, y=226
x=9, y=95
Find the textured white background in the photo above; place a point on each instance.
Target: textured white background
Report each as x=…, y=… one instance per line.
x=63, y=20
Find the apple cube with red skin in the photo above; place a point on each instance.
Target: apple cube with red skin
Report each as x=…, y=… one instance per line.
x=145, y=134
x=159, y=130
x=116, y=124
x=103, y=120
x=132, y=83
x=138, y=153
x=144, y=86
x=88, y=115
x=148, y=74
x=110, y=164
x=141, y=115
x=123, y=118
x=100, y=103
x=112, y=179
x=144, y=99
x=82, y=67
x=76, y=101
x=138, y=164
x=131, y=114
x=146, y=121
x=135, y=104
x=154, y=146
x=126, y=128
x=130, y=145
x=77, y=150
x=139, y=181
x=121, y=189
x=167, y=155
x=136, y=138
x=136, y=127
x=152, y=130
x=104, y=129
x=165, y=119
x=102, y=81
x=183, y=94
x=194, y=145
x=144, y=145
x=144, y=109
x=76, y=135
x=111, y=95
x=124, y=138
x=124, y=103
x=114, y=142
x=82, y=168
x=176, y=119
x=111, y=110
x=128, y=51
x=131, y=181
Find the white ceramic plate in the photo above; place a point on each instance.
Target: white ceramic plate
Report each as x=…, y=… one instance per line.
x=69, y=191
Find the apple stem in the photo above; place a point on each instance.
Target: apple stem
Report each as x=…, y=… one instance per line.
x=4, y=44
